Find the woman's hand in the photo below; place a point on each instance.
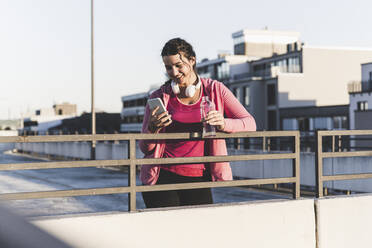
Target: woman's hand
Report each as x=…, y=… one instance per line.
x=215, y=118
x=157, y=122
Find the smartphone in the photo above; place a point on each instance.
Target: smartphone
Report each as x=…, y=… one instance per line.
x=155, y=102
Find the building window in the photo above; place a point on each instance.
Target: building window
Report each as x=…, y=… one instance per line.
x=322, y=123
x=237, y=93
x=271, y=114
x=289, y=124
x=339, y=122
x=370, y=76
x=223, y=71
x=271, y=94
x=362, y=106
x=239, y=49
x=247, y=94
x=304, y=124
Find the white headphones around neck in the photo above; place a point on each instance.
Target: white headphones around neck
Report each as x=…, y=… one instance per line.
x=190, y=90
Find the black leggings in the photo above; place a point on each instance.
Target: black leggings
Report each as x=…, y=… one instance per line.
x=171, y=198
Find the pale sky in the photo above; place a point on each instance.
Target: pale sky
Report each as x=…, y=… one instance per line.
x=45, y=44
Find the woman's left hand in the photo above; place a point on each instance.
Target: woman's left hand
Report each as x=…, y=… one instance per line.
x=215, y=118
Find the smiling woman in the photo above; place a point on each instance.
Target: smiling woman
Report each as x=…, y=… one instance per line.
x=182, y=95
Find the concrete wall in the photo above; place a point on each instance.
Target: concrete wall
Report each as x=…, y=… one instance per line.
x=325, y=70
x=79, y=150
x=6, y=146
x=330, y=222
x=344, y=221
x=266, y=224
x=8, y=133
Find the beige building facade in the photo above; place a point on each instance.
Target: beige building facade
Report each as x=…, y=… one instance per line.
x=326, y=73
x=306, y=77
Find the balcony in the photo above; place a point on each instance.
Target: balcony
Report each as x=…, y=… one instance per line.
x=360, y=86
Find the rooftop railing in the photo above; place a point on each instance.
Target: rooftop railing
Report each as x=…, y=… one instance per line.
x=132, y=162
x=338, y=149
x=360, y=86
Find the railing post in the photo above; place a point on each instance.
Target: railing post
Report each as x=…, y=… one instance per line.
x=93, y=144
x=319, y=165
x=333, y=143
x=296, y=167
x=132, y=175
x=339, y=143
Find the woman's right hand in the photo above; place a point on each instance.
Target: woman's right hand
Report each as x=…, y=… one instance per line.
x=157, y=122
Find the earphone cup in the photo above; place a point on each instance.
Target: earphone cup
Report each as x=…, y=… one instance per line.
x=175, y=88
x=190, y=91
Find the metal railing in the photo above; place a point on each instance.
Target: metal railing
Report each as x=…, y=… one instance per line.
x=337, y=150
x=132, y=162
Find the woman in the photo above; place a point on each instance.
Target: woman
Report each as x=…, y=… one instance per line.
x=181, y=96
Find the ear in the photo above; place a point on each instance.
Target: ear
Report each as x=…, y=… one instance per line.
x=192, y=61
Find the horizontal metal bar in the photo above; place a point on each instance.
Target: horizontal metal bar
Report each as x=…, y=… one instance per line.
x=63, y=164
x=345, y=132
x=258, y=134
x=126, y=162
x=46, y=138
x=346, y=154
x=209, y=159
x=63, y=193
x=347, y=177
x=141, y=136
x=234, y=183
x=120, y=190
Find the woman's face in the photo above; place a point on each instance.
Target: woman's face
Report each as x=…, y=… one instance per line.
x=180, y=69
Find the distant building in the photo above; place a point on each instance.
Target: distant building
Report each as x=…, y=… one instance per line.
x=106, y=123
x=360, y=94
x=132, y=112
x=11, y=124
x=299, y=76
x=65, y=109
x=222, y=67
x=360, y=108
x=46, y=118
x=264, y=43
x=282, y=82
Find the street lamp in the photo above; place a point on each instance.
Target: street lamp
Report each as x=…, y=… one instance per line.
x=93, y=147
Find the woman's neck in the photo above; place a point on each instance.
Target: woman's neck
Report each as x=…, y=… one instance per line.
x=190, y=100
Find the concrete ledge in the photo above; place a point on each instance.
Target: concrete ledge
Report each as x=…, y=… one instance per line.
x=283, y=223
x=344, y=221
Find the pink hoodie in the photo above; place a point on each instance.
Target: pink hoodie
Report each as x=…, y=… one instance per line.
x=237, y=119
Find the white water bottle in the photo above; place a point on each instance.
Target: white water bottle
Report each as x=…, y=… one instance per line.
x=207, y=105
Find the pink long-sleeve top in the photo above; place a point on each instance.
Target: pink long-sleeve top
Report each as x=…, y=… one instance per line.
x=237, y=119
